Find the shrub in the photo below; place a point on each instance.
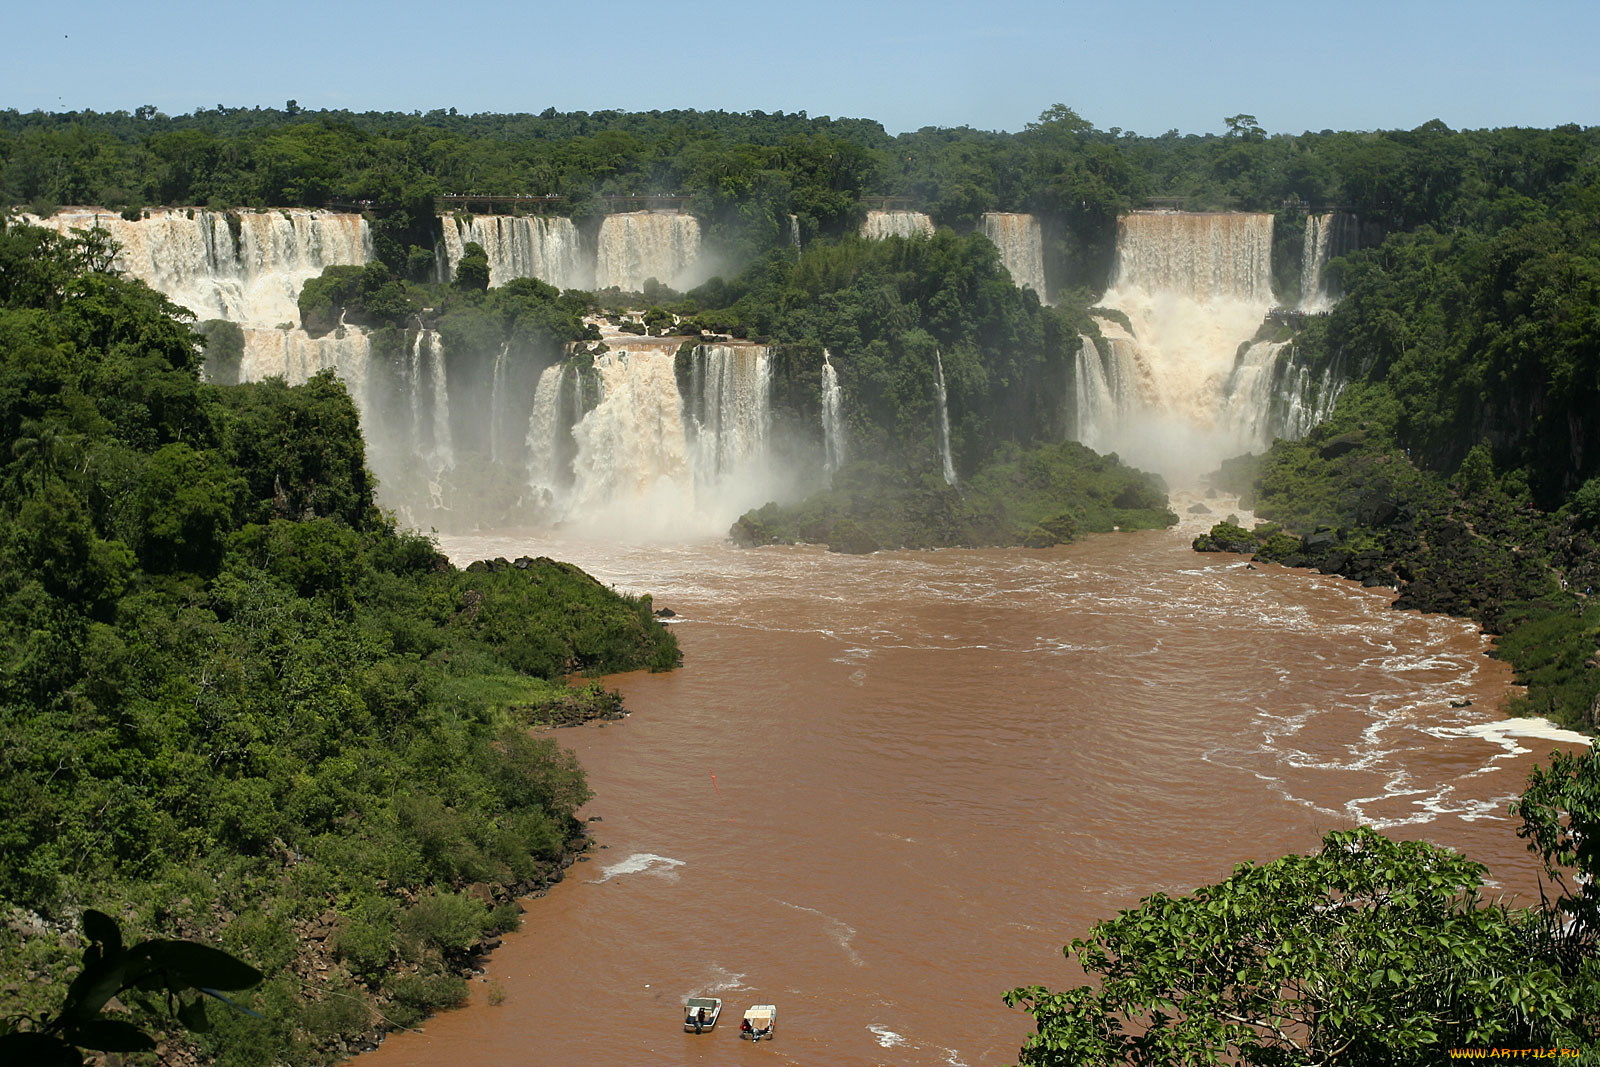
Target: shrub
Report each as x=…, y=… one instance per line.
x=447, y=921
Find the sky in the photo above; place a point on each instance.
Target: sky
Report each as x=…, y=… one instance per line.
x=1143, y=65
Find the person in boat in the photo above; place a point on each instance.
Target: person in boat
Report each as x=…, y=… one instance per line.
x=744, y=1026
x=699, y=1020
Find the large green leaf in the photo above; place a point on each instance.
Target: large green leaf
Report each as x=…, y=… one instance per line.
x=109, y=1035
x=193, y=1015
x=102, y=928
x=38, y=1050
x=200, y=966
x=98, y=982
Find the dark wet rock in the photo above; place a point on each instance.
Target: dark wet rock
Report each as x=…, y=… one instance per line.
x=573, y=707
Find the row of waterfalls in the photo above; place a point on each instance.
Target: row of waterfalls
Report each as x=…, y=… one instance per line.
x=654, y=435
x=628, y=250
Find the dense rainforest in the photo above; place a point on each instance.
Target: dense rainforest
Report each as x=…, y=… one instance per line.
x=184, y=556
x=236, y=703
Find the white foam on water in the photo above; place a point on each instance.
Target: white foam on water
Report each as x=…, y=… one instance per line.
x=722, y=980
x=887, y=1037
x=1501, y=733
x=841, y=932
x=641, y=863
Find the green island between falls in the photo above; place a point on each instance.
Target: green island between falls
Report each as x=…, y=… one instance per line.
x=1040, y=496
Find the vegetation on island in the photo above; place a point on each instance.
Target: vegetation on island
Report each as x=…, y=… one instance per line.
x=1040, y=496
x=236, y=704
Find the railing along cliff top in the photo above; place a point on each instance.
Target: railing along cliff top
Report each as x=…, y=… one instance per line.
x=488, y=202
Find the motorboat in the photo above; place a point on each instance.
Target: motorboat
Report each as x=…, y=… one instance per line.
x=700, y=1014
x=760, y=1020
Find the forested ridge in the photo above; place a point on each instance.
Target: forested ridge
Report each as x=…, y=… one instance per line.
x=744, y=174
x=236, y=704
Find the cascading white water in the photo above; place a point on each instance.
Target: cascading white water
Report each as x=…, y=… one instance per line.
x=1305, y=402
x=430, y=401
x=498, y=402
x=1020, y=240
x=1194, y=288
x=1204, y=256
x=294, y=356
x=544, y=425
x=1106, y=376
x=633, y=448
x=1248, y=403
x=944, y=424
x=794, y=231
x=1330, y=234
x=636, y=246
x=732, y=386
x=546, y=248
x=881, y=224
x=191, y=255
x=833, y=442
x=650, y=461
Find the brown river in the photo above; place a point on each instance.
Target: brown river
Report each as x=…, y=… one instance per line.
x=884, y=789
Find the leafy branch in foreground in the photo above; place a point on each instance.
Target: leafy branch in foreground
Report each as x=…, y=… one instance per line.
x=156, y=966
x=1371, y=951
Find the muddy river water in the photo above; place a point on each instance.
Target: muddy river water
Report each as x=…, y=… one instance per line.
x=884, y=789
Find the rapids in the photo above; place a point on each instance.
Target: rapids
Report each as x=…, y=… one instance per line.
x=884, y=789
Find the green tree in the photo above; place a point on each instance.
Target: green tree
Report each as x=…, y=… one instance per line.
x=1245, y=127
x=472, y=272
x=1370, y=951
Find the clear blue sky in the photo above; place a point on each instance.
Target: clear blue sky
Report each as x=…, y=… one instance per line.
x=1143, y=65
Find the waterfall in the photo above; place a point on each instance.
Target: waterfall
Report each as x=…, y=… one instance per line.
x=636, y=246
x=944, y=424
x=1330, y=234
x=649, y=459
x=794, y=231
x=430, y=401
x=295, y=356
x=633, y=450
x=499, y=389
x=1302, y=401
x=1106, y=376
x=1222, y=256
x=1020, y=240
x=833, y=446
x=194, y=258
x=881, y=224
x=730, y=396
x=544, y=428
x=1191, y=289
x=518, y=247
x=1248, y=401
